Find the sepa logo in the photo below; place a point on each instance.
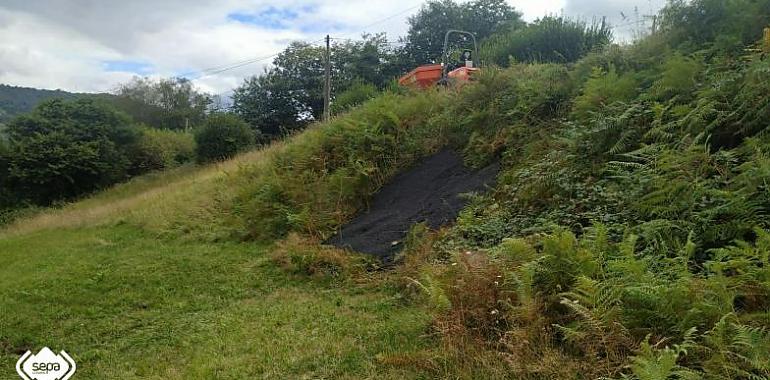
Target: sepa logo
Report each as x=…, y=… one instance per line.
x=45, y=366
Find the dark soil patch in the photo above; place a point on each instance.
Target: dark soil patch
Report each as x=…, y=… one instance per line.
x=430, y=192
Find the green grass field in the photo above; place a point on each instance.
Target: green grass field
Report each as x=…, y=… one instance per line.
x=126, y=305
x=111, y=281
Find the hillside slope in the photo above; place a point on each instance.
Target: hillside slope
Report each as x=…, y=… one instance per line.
x=648, y=251
x=16, y=100
x=112, y=280
x=154, y=268
x=627, y=235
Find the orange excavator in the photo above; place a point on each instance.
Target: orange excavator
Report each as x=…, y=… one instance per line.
x=427, y=76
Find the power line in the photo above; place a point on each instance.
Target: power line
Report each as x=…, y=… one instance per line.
x=207, y=73
x=357, y=39
x=220, y=69
x=215, y=68
x=393, y=43
x=385, y=19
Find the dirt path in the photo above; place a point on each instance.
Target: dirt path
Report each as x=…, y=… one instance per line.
x=428, y=192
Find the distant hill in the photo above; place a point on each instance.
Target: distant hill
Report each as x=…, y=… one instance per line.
x=18, y=100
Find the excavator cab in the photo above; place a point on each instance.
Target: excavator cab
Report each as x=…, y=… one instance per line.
x=445, y=73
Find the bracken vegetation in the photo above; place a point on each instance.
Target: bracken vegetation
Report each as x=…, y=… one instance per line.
x=627, y=236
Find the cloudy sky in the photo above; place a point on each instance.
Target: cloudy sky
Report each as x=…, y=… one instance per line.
x=93, y=45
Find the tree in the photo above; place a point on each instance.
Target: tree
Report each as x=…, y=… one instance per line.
x=290, y=94
x=301, y=68
x=160, y=149
x=286, y=96
x=369, y=60
x=424, y=41
x=356, y=94
x=549, y=39
x=65, y=149
x=223, y=136
x=171, y=103
x=728, y=25
x=268, y=105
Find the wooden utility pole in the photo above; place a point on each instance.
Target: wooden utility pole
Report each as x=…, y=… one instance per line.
x=766, y=40
x=328, y=81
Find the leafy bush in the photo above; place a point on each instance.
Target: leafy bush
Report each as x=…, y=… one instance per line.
x=357, y=93
x=615, y=129
x=657, y=174
x=604, y=88
x=65, y=149
x=550, y=39
x=223, y=136
x=595, y=299
x=678, y=78
x=158, y=149
x=626, y=236
x=725, y=25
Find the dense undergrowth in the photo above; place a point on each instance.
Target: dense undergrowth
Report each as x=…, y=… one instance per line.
x=626, y=238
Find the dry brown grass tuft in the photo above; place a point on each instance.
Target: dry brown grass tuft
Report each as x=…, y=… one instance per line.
x=305, y=256
x=485, y=325
x=478, y=297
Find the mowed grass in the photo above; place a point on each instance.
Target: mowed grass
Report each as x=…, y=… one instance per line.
x=127, y=305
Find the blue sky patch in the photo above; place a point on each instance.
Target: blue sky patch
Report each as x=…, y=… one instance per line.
x=270, y=17
x=136, y=67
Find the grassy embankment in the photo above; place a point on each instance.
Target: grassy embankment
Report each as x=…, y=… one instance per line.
x=159, y=278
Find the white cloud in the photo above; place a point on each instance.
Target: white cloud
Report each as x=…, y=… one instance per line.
x=39, y=54
x=64, y=44
x=628, y=17
x=537, y=9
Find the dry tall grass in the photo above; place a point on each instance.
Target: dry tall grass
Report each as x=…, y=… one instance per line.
x=155, y=201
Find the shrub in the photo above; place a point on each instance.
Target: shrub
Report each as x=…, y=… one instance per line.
x=356, y=94
x=65, y=149
x=595, y=302
x=304, y=257
x=158, y=149
x=725, y=25
x=616, y=129
x=550, y=39
x=604, y=88
x=223, y=136
x=678, y=77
